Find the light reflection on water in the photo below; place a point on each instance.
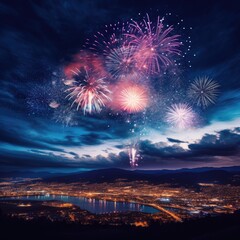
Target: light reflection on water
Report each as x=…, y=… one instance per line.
x=93, y=205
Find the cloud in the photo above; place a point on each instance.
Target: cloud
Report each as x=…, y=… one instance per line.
x=17, y=138
x=223, y=143
x=76, y=156
x=210, y=148
x=175, y=140
x=93, y=138
x=36, y=160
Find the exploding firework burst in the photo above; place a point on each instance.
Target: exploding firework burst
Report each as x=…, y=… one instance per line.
x=120, y=62
x=155, y=46
x=180, y=115
x=113, y=36
x=203, y=91
x=89, y=92
x=133, y=99
x=113, y=44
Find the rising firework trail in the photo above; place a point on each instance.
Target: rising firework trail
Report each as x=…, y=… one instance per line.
x=89, y=93
x=203, y=91
x=155, y=45
x=133, y=156
x=181, y=116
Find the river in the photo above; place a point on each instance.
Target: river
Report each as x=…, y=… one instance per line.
x=92, y=205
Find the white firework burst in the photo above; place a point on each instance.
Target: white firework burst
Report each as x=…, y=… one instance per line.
x=203, y=91
x=181, y=116
x=89, y=93
x=133, y=99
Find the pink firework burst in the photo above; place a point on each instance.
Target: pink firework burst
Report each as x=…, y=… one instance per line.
x=155, y=45
x=113, y=44
x=82, y=60
x=133, y=98
x=181, y=115
x=113, y=36
x=89, y=92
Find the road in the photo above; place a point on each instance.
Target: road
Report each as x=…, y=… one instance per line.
x=173, y=215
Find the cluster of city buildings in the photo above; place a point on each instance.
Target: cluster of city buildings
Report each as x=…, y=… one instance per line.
x=174, y=203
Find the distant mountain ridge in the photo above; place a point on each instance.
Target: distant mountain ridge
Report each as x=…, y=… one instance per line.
x=202, y=169
x=28, y=174
x=46, y=174
x=185, y=178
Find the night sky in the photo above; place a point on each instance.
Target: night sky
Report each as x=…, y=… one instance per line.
x=39, y=39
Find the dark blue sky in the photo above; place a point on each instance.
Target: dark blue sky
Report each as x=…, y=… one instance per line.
x=38, y=38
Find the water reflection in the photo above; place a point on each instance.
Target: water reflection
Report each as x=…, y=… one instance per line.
x=94, y=205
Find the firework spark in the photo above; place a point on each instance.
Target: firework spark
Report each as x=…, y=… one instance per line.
x=90, y=93
x=41, y=98
x=69, y=82
x=203, y=91
x=133, y=98
x=54, y=104
x=65, y=116
x=155, y=45
x=113, y=36
x=180, y=115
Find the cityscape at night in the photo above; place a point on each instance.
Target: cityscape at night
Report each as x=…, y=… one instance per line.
x=162, y=202
x=120, y=119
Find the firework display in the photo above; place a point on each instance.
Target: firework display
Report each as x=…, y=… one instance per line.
x=133, y=156
x=133, y=99
x=133, y=71
x=203, y=91
x=155, y=45
x=121, y=62
x=89, y=92
x=180, y=115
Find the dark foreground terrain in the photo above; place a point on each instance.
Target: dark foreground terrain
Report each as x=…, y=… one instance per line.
x=222, y=227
